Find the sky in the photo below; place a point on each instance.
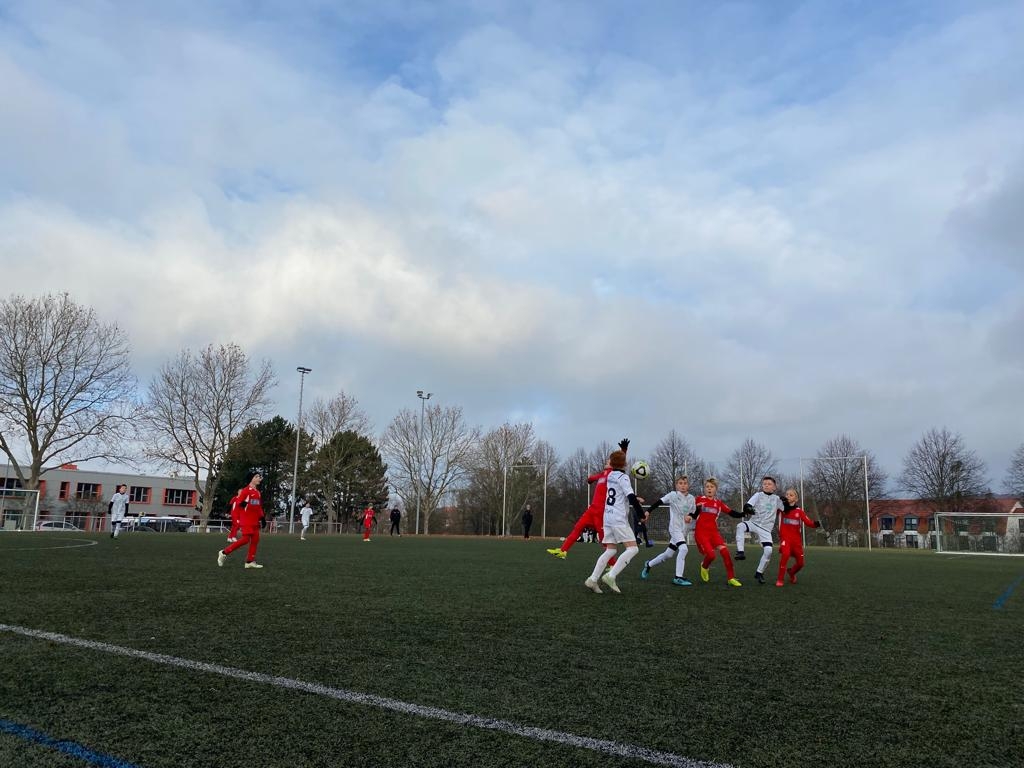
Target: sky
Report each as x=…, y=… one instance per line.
x=783, y=221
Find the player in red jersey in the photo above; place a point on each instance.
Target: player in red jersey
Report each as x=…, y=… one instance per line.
x=251, y=511
x=709, y=538
x=368, y=514
x=236, y=517
x=593, y=517
x=790, y=533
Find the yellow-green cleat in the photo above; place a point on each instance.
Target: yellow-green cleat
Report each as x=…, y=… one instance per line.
x=557, y=553
x=705, y=574
x=735, y=583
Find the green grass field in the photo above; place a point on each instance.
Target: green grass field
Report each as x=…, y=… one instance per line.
x=873, y=659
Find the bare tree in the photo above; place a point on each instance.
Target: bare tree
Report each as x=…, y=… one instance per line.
x=66, y=390
x=747, y=465
x=326, y=420
x=673, y=457
x=837, y=481
x=425, y=465
x=198, y=403
x=491, y=479
x=941, y=470
x=1014, y=482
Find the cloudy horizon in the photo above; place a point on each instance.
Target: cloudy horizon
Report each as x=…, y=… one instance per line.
x=780, y=221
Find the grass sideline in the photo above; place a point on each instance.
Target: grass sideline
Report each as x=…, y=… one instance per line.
x=881, y=659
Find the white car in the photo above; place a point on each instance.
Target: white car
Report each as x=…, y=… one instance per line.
x=56, y=525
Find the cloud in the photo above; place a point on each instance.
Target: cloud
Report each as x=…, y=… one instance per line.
x=596, y=218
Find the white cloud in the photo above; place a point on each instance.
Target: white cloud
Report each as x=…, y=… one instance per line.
x=714, y=244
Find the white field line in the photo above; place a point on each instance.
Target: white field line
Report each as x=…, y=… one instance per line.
x=87, y=543
x=631, y=751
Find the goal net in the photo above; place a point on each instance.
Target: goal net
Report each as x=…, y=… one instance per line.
x=979, y=534
x=19, y=509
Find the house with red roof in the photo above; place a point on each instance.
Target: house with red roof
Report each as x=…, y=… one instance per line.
x=987, y=524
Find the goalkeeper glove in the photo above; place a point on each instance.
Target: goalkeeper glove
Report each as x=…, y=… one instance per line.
x=817, y=523
x=624, y=444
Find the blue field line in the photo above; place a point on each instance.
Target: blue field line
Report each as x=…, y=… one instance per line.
x=1001, y=600
x=67, y=747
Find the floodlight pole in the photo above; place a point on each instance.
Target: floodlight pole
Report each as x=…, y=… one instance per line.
x=504, y=496
x=298, y=433
x=423, y=396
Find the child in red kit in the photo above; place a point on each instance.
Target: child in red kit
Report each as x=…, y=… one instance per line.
x=791, y=534
x=367, y=522
x=250, y=507
x=709, y=538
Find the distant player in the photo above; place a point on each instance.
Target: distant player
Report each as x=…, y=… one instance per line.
x=761, y=511
x=709, y=539
x=593, y=516
x=680, y=506
x=307, y=515
x=250, y=506
x=117, y=509
x=617, y=530
x=790, y=533
x=368, y=516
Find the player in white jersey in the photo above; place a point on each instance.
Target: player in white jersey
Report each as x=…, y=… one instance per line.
x=307, y=514
x=680, y=505
x=617, y=529
x=117, y=508
x=762, y=511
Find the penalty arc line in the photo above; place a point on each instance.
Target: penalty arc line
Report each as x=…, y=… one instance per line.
x=631, y=751
x=88, y=543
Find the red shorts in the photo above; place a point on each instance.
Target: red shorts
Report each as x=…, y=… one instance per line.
x=708, y=540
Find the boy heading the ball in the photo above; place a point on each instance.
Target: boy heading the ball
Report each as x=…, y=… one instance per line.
x=617, y=530
x=593, y=516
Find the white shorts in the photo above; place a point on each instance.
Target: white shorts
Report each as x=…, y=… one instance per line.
x=117, y=517
x=678, y=535
x=618, y=534
x=763, y=536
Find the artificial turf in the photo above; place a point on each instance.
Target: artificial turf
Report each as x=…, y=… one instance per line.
x=873, y=659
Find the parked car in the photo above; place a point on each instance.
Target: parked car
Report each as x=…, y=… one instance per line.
x=56, y=525
x=164, y=524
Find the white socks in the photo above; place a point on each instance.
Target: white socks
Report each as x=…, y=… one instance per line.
x=602, y=561
x=766, y=555
x=623, y=561
x=681, y=560
x=660, y=558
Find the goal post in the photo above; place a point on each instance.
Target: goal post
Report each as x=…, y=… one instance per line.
x=19, y=509
x=979, y=533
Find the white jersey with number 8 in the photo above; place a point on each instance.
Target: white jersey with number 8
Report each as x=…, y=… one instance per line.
x=616, y=506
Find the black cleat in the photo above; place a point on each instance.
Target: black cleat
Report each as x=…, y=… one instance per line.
x=740, y=556
x=760, y=577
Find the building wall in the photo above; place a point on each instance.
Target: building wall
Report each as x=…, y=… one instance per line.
x=83, y=494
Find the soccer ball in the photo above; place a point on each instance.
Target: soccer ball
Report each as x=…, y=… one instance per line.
x=641, y=470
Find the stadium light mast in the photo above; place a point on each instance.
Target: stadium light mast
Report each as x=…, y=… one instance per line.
x=298, y=432
x=423, y=396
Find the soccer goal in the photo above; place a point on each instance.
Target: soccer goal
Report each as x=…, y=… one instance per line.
x=19, y=509
x=982, y=533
